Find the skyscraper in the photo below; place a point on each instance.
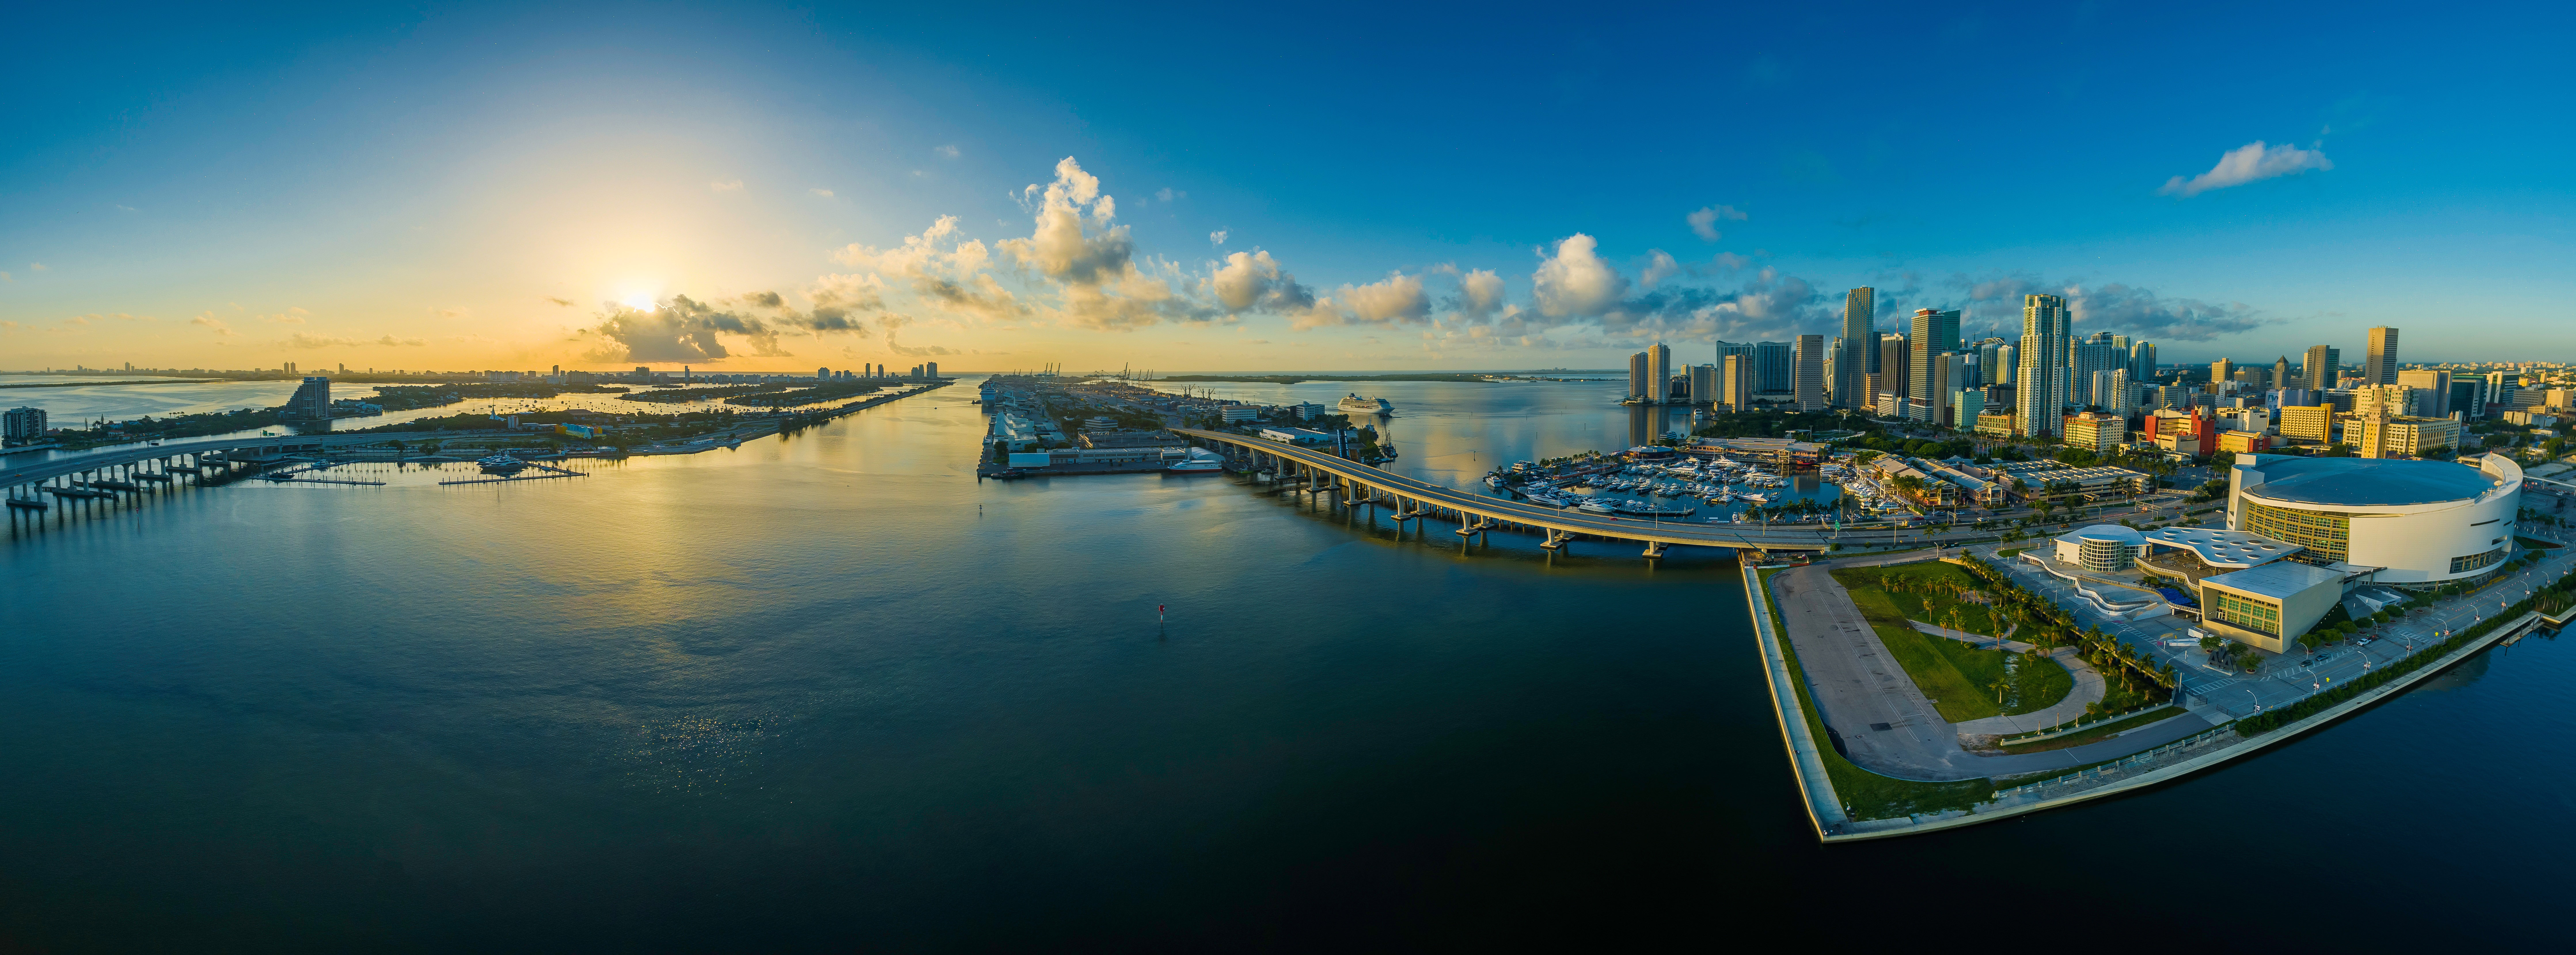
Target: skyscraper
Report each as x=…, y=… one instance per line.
x=1834, y=374
x=2281, y=373
x=1659, y=373
x=1703, y=385
x=1809, y=367
x=1935, y=333
x=2432, y=391
x=1735, y=382
x=2321, y=366
x=2221, y=372
x=1771, y=364
x=21, y=425
x=2381, y=367
x=1892, y=366
x=2099, y=352
x=2047, y=337
x=1732, y=348
x=2142, y=361
x=312, y=401
x=1639, y=373
x=1859, y=358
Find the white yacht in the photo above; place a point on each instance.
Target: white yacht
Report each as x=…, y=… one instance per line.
x=1199, y=461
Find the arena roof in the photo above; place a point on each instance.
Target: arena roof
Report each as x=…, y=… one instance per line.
x=2365, y=482
x=2223, y=548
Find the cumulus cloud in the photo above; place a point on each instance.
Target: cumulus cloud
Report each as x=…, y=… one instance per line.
x=209, y=320
x=1703, y=223
x=1659, y=266
x=1397, y=298
x=1214, y=238
x=2248, y=163
x=1480, y=294
x=1575, y=282
x=726, y=185
x=292, y=316
x=1253, y=281
x=1061, y=248
x=2110, y=307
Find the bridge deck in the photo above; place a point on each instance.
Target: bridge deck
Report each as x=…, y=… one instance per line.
x=1701, y=534
x=38, y=472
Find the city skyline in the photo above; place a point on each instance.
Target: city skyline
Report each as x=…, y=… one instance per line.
x=893, y=194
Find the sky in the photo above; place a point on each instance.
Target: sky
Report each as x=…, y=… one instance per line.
x=1194, y=188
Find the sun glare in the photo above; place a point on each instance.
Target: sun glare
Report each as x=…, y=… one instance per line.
x=641, y=303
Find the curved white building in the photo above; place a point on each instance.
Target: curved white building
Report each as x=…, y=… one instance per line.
x=2415, y=522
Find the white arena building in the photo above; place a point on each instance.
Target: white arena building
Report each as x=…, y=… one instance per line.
x=2415, y=523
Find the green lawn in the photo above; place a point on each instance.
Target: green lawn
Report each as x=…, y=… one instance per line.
x=1864, y=794
x=2097, y=733
x=1957, y=677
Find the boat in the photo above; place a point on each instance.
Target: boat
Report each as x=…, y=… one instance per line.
x=1596, y=506
x=1494, y=481
x=1199, y=461
x=1355, y=404
x=501, y=464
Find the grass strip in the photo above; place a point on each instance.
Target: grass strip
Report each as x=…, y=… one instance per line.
x=1957, y=677
x=1864, y=794
x=2093, y=734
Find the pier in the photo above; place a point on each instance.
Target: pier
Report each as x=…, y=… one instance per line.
x=1359, y=485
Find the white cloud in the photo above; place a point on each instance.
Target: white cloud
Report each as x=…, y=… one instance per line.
x=726, y=185
x=1575, y=282
x=1703, y=223
x=1659, y=266
x=820, y=191
x=1214, y=238
x=1251, y=281
x=1168, y=194
x=2248, y=163
x=1480, y=294
x=945, y=152
x=1397, y=298
x=209, y=320
x=1061, y=248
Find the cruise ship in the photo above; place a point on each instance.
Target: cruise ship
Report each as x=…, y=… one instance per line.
x=1355, y=404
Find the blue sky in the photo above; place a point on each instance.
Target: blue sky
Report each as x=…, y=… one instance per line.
x=1468, y=187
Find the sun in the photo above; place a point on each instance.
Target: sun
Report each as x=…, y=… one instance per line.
x=641, y=303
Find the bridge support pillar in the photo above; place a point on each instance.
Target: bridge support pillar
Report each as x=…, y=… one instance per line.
x=1555, y=539
x=1654, y=549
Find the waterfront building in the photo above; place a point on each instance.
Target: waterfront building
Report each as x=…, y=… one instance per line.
x=312, y=400
x=1736, y=377
x=22, y=425
x=1859, y=358
x=2045, y=345
x=1809, y=390
x=1659, y=373
x=2269, y=607
x=1703, y=385
x=1724, y=349
x=2380, y=368
x=1639, y=378
x=1772, y=362
x=930, y=369
x=1233, y=413
x=2097, y=432
x=2405, y=522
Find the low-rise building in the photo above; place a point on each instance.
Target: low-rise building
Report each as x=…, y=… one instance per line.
x=2096, y=432
x=2268, y=607
x=1995, y=425
x=2101, y=548
x=2310, y=424
x=1233, y=413
x=1295, y=435
x=2244, y=442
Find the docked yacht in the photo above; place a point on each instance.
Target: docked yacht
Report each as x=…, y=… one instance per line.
x=1596, y=506
x=501, y=464
x=1354, y=404
x=1199, y=461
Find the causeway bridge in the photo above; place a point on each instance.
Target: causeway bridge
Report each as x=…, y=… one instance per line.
x=119, y=469
x=1359, y=485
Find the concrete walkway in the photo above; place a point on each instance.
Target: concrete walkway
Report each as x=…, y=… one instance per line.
x=1884, y=722
x=2089, y=686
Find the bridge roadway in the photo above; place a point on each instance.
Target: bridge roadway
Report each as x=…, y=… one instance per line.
x=1414, y=497
x=262, y=445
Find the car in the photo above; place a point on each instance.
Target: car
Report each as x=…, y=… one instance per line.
x=2311, y=661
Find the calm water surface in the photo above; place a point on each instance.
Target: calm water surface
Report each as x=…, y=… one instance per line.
x=829, y=692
